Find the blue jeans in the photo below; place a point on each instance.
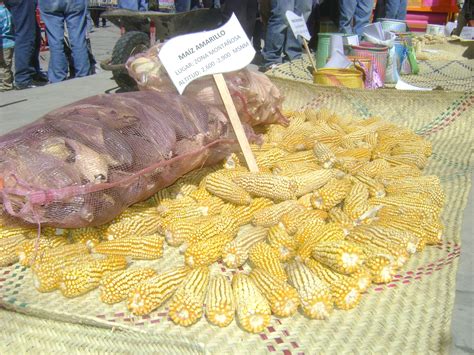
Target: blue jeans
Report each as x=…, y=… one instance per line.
x=54, y=14
x=279, y=38
x=27, y=40
x=358, y=11
x=134, y=5
x=396, y=9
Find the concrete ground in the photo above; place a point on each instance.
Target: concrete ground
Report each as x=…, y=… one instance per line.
x=18, y=108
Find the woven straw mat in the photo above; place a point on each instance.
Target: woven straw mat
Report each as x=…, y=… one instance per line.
x=410, y=314
x=453, y=75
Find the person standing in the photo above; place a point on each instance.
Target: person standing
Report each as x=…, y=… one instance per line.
x=279, y=38
x=134, y=5
x=354, y=15
x=54, y=14
x=8, y=43
x=396, y=9
x=27, y=44
x=245, y=11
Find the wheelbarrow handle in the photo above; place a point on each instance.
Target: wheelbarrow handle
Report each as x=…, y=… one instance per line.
x=105, y=65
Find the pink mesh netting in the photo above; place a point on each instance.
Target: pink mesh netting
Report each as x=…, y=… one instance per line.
x=83, y=164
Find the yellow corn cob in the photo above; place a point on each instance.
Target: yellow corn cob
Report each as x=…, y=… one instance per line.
x=144, y=223
x=371, y=139
x=344, y=290
x=312, y=236
x=356, y=202
x=200, y=194
x=9, y=232
x=222, y=186
x=206, y=251
x=397, y=172
x=196, y=211
x=379, y=264
x=314, y=294
x=294, y=221
x=312, y=181
x=283, y=298
x=269, y=158
x=160, y=196
x=433, y=231
x=8, y=246
x=305, y=156
x=220, y=303
x=214, y=227
x=355, y=153
x=405, y=225
x=185, y=190
x=180, y=230
x=147, y=247
x=365, y=236
x=267, y=185
x=305, y=201
x=89, y=236
x=350, y=165
x=297, y=141
x=196, y=176
x=400, y=238
x=115, y=286
x=61, y=251
x=212, y=205
x=236, y=252
x=415, y=146
x=28, y=249
x=324, y=155
x=374, y=167
x=151, y=293
x=415, y=160
x=253, y=310
x=376, y=188
x=334, y=192
x=186, y=305
x=244, y=214
x=279, y=239
x=79, y=279
x=363, y=277
x=271, y=215
x=263, y=256
x=233, y=161
x=268, y=145
x=339, y=255
x=337, y=215
x=414, y=205
x=47, y=275
x=292, y=169
x=171, y=206
x=428, y=185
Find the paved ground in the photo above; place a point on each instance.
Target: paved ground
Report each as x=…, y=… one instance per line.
x=20, y=107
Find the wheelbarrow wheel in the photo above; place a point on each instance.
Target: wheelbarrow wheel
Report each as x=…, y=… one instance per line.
x=129, y=44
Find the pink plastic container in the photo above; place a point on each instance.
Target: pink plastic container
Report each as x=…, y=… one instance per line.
x=378, y=54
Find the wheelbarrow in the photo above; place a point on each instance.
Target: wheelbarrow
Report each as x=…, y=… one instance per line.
x=140, y=31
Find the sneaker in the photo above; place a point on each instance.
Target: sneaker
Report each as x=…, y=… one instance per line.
x=25, y=86
x=40, y=78
x=265, y=68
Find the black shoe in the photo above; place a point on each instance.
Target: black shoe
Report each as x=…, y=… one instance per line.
x=25, y=86
x=40, y=78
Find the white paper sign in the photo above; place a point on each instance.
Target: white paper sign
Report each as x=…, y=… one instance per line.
x=338, y=60
x=449, y=28
x=351, y=40
x=402, y=85
x=336, y=44
x=298, y=25
x=192, y=56
x=467, y=33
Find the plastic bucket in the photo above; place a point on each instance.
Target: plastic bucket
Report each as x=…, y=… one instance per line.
x=349, y=78
x=324, y=47
x=393, y=25
x=364, y=65
x=378, y=54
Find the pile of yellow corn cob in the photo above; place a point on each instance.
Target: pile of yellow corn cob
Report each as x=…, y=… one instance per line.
x=338, y=204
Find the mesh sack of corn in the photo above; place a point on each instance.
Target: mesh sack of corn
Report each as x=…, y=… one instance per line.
x=338, y=204
x=256, y=98
x=83, y=164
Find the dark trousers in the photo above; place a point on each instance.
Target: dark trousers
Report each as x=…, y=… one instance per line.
x=245, y=11
x=27, y=39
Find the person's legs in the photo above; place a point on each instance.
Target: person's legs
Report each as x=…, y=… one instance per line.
x=362, y=15
x=347, y=9
x=251, y=17
x=391, y=8
x=182, y=5
x=293, y=45
x=402, y=10
x=276, y=31
x=6, y=56
x=75, y=16
x=24, y=21
x=53, y=17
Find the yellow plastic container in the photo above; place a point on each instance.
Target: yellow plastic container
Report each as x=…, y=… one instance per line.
x=349, y=78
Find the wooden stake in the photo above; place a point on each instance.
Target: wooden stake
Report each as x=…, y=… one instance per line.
x=236, y=124
x=305, y=44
